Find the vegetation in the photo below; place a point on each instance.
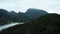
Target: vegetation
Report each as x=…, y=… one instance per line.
x=46, y=24
x=7, y=17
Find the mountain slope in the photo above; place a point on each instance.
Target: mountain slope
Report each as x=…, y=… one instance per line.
x=34, y=13
x=4, y=16
x=47, y=24
x=21, y=17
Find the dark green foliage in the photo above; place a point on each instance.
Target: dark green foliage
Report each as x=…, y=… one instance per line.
x=47, y=24
x=12, y=16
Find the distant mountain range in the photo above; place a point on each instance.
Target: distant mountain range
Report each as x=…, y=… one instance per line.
x=20, y=17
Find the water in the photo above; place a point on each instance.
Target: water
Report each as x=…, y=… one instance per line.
x=9, y=25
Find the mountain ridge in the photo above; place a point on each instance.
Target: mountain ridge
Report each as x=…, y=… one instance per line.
x=22, y=17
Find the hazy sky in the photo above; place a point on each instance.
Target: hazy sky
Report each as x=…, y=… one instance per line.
x=23, y=5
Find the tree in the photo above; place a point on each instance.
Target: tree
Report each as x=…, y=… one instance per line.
x=47, y=24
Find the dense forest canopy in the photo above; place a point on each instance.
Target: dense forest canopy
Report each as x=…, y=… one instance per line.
x=46, y=24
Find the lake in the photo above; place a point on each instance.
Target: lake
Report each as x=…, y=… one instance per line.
x=9, y=25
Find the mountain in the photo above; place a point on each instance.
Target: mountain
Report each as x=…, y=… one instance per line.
x=4, y=13
x=21, y=17
x=34, y=13
x=4, y=16
x=46, y=24
x=29, y=15
x=13, y=16
x=13, y=13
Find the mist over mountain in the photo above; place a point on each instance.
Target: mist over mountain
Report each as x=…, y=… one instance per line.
x=20, y=17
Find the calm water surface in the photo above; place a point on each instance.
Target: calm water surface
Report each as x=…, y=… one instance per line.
x=9, y=25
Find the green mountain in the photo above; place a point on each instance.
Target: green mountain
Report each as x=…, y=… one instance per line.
x=12, y=16
x=35, y=13
x=4, y=16
x=46, y=24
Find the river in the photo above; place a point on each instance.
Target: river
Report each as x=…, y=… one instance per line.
x=9, y=25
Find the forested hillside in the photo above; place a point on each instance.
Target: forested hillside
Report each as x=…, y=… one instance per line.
x=46, y=24
x=8, y=17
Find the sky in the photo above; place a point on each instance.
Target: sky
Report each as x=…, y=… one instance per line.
x=51, y=6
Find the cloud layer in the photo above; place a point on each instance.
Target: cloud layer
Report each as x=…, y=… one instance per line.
x=22, y=5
